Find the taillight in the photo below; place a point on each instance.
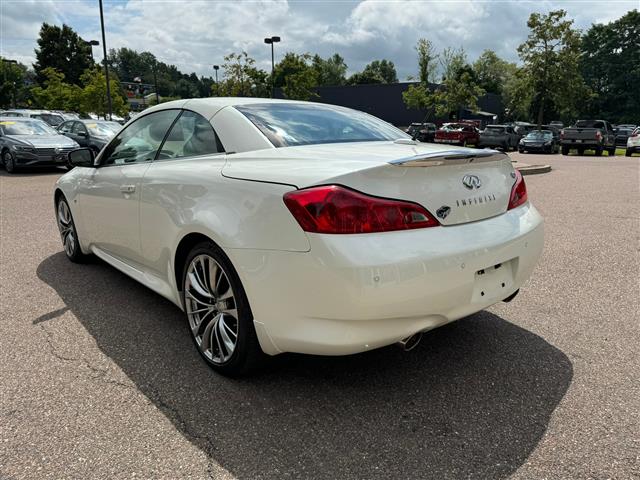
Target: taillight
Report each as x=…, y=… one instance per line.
x=336, y=209
x=518, y=192
x=561, y=134
x=598, y=135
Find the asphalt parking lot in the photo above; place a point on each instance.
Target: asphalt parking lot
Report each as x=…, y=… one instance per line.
x=99, y=378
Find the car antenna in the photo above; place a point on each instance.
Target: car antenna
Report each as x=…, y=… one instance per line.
x=417, y=132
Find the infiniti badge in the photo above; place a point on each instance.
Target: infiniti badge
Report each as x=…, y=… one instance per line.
x=471, y=182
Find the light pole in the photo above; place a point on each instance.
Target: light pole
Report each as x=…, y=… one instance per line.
x=271, y=41
x=106, y=68
x=13, y=83
x=91, y=44
x=216, y=68
x=155, y=81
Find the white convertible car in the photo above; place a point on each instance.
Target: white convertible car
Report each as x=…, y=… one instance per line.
x=282, y=226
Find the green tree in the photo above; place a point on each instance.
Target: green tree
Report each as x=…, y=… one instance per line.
x=12, y=86
x=459, y=87
x=63, y=50
x=610, y=64
x=378, y=71
x=56, y=94
x=296, y=76
x=517, y=93
x=94, y=94
x=240, y=77
x=331, y=71
x=492, y=72
x=550, y=55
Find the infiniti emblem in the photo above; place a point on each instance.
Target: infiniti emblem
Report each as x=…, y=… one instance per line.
x=471, y=182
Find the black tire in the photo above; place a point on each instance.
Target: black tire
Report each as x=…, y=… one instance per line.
x=9, y=162
x=581, y=151
x=247, y=355
x=628, y=152
x=565, y=150
x=68, y=233
x=612, y=152
x=521, y=150
x=598, y=151
x=464, y=143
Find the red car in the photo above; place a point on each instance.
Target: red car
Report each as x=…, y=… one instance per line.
x=459, y=133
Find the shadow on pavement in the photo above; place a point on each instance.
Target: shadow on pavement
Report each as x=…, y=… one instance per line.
x=472, y=401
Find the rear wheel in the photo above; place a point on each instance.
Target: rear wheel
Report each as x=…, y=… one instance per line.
x=599, y=151
x=218, y=313
x=581, y=151
x=9, y=162
x=612, y=152
x=565, y=150
x=628, y=152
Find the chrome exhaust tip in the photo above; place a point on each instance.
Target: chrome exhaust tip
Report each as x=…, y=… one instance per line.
x=410, y=342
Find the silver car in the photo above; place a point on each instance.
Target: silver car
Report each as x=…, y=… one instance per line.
x=27, y=142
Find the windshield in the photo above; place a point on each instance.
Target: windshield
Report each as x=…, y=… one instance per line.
x=103, y=129
x=288, y=125
x=51, y=118
x=26, y=127
x=537, y=135
x=589, y=124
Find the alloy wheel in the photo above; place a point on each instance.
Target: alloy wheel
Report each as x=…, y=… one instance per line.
x=211, y=308
x=67, y=229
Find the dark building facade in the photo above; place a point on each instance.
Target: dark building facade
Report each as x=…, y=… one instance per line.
x=385, y=101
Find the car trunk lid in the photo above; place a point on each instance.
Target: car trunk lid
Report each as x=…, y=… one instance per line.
x=456, y=185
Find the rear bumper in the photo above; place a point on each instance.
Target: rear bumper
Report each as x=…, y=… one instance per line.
x=535, y=148
x=352, y=293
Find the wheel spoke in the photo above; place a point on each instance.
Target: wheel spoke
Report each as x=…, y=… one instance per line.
x=226, y=295
x=222, y=329
x=206, y=336
x=197, y=285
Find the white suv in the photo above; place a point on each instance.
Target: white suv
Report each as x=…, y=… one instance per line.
x=633, y=142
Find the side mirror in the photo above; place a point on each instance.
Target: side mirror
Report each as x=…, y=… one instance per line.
x=81, y=157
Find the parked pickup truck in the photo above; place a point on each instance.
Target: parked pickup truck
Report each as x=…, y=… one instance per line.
x=595, y=135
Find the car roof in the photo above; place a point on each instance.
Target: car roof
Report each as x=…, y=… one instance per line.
x=501, y=126
x=208, y=107
x=20, y=119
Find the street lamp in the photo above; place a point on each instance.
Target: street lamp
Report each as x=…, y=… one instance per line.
x=106, y=68
x=271, y=41
x=13, y=84
x=91, y=44
x=216, y=68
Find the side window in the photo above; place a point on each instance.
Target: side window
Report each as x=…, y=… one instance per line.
x=66, y=127
x=78, y=127
x=140, y=141
x=191, y=135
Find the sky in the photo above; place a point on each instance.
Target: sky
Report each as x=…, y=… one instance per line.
x=194, y=35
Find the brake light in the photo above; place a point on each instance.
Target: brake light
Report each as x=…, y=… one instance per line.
x=518, y=192
x=340, y=210
x=561, y=134
x=598, y=135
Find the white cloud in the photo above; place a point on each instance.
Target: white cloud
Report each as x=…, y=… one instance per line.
x=194, y=35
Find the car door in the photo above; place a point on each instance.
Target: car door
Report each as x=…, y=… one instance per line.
x=173, y=185
x=109, y=194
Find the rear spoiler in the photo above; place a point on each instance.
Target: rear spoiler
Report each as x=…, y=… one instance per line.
x=449, y=157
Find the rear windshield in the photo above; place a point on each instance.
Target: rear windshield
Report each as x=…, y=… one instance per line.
x=288, y=125
x=453, y=127
x=589, y=124
x=50, y=118
x=26, y=127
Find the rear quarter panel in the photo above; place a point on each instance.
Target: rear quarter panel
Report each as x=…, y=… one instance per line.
x=191, y=196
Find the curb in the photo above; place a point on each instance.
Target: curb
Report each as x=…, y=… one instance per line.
x=534, y=169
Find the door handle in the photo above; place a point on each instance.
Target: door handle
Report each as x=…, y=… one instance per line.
x=127, y=188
